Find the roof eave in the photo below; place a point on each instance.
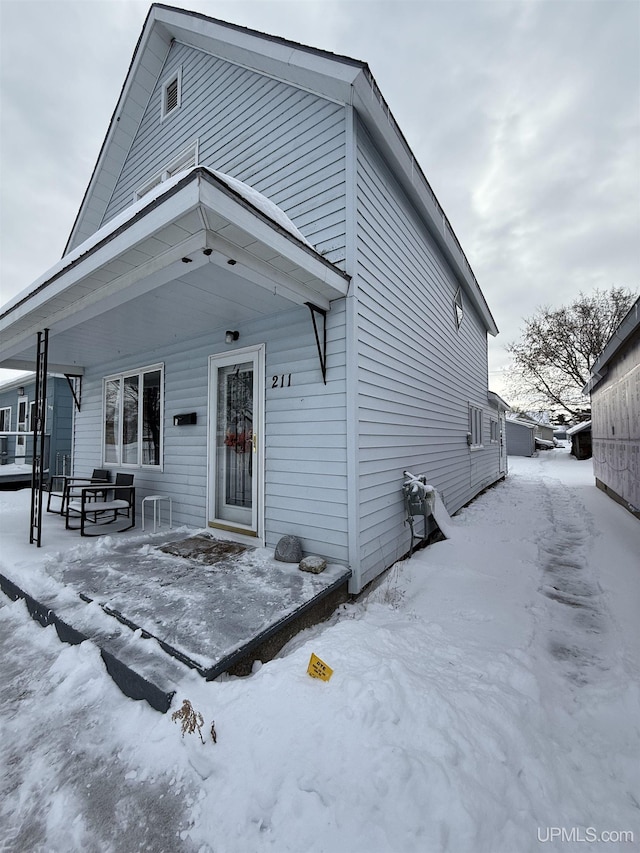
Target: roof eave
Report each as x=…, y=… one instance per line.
x=201, y=193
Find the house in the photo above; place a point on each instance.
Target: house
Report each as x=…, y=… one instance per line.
x=614, y=387
x=521, y=436
x=580, y=438
x=270, y=312
x=17, y=400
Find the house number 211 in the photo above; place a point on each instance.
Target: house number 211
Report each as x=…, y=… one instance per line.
x=281, y=381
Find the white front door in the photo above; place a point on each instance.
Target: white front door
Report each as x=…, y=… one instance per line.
x=22, y=427
x=236, y=405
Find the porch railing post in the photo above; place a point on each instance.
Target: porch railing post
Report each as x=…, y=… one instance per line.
x=38, y=427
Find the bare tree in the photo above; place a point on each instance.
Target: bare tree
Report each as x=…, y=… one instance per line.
x=553, y=359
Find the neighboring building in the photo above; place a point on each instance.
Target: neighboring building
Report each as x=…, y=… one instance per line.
x=614, y=387
x=271, y=314
x=580, y=437
x=16, y=434
x=544, y=431
x=521, y=437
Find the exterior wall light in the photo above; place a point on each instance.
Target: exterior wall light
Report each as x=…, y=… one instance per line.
x=231, y=337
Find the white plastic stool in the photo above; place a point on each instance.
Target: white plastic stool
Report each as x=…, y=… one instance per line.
x=157, y=511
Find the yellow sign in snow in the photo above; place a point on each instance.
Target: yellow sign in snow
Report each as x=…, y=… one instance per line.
x=318, y=668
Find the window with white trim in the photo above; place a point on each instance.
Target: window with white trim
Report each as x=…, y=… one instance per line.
x=185, y=160
x=133, y=406
x=458, y=311
x=5, y=419
x=171, y=94
x=494, y=431
x=475, y=426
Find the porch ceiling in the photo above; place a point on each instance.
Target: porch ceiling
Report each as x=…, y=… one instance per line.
x=195, y=258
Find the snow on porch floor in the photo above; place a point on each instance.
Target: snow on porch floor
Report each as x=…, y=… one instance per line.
x=207, y=610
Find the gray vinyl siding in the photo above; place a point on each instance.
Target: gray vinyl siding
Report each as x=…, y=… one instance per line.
x=417, y=373
x=305, y=450
x=284, y=142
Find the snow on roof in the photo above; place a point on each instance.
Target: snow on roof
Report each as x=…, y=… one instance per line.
x=262, y=203
x=256, y=199
x=519, y=422
x=579, y=427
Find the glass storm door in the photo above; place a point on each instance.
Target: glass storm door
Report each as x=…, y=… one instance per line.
x=235, y=397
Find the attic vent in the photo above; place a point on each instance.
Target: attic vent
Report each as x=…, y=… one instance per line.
x=171, y=96
x=457, y=308
x=171, y=93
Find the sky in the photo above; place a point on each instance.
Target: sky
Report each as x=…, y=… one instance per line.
x=524, y=115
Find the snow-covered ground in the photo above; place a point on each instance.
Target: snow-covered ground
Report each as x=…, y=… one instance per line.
x=485, y=698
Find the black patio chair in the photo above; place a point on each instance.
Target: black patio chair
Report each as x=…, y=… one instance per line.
x=64, y=487
x=98, y=505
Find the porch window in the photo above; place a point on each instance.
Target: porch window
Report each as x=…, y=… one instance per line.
x=185, y=160
x=5, y=419
x=494, y=432
x=475, y=426
x=132, y=421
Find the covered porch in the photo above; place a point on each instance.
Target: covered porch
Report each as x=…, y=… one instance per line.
x=199, y=256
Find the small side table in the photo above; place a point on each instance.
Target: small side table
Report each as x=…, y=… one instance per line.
x=157, y=510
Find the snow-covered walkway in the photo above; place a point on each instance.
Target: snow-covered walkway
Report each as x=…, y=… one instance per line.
x=485, y=698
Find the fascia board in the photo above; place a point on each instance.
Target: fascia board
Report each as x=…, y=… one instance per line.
x=222, y=200
x=117, y=134
x=261, y=273
x=622, y=335
x=64, y=316
x=23, y=364
x=187, y=195
x=497, y=401
x=378, y=119
x=326, y=74
x=628, y=325
x=60, y=277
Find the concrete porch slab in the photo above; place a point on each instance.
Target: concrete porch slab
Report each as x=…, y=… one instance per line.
x=159, y=615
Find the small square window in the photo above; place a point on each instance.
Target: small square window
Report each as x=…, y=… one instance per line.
x=171, y=94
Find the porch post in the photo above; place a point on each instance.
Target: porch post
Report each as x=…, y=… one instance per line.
x=38, y=428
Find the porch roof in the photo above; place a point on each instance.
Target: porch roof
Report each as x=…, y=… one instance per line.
x=194, y=255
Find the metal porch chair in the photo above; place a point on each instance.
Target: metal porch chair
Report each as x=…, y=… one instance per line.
x=98, y=505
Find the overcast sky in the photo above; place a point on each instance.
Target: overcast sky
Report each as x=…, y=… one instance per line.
x=525, y=117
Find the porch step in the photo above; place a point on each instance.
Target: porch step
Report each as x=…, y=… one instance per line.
x=143, y=666
x=138, y=665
